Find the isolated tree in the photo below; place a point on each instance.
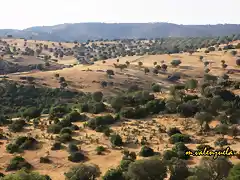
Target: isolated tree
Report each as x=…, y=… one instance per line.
x=97, y=96
x=214, y=169
x=127, y=63
x=155, y=63
x=191, y=84
x=110, y=72
x=222, y=129
x=204, y=117
x=164, y=67
x=140, y=64
x=146, y=70
x=113, y=174
x=178, y=169
x=152, y=169
x=116, y=140
x=83, y=172
x=201, y=58
x=176, y=63
x=234, y=53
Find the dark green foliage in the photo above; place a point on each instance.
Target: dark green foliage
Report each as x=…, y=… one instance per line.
x=178, y=170
x=173, y=131
x=210, y=168
x=155, y=106
x=58, y=111
x=83, y=172
x=191, y=84
x=45, y=160
x=76, y=156
x=96, y=108
x=116, y=140
x=18, y=163
x=156, y=88
x=113, y=174
x=67, y=130
x=74, y=127
x=168, y=154
x=54, y=128
x=134, y=113
x=22, y=143
x=4, y=121
x=64, y=138
x=97, y=96
x=72, y=148
x=74, y=116
x=202, y=146
x=152, y=169
x=221, y=142
x=17, y=97
x=146, y=151
x=187, y=110
x=24, y=174
x=32, y=112
x=17, y=126
x=117, y=103
x=234, y=173
x=56, y=146
x=100, y=150
x=180, y=146
x=176, y=62
x=100, y=121
x=124, y=164
x=179, y=138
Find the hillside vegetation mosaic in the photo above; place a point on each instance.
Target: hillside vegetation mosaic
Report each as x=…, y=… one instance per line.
x=125, y=109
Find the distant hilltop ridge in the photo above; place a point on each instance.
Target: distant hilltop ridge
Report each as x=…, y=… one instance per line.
x=93, y=31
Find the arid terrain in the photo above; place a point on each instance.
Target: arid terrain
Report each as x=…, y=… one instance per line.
x=68, y=73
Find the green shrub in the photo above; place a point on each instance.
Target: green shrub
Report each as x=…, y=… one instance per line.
x=124, y=164
x=54, y=128
x=45, y=160
x=168, y=154
x=180, y=146
x=116, y=140
x=179, y=138
x=17, y=126
x=155, y=106
x=113, y=174
x=83, y=172
x=76, y=157
x=97, y=96
x=65, y=138
x=18, y=163
x=100, y=150
x=156, y=88
x=146, y=151
x=96, y=108
x=32, y=112
x=72, y=148
x=74, y=116
x=100, y=121
x=173, y=131
x=221, y=142
x=56, y=146
x=65, y=130
x=25, y=175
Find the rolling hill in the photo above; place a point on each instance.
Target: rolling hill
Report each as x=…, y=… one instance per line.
x=86, y=31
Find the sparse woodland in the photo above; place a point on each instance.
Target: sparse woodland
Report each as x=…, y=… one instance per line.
x=139, y=131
